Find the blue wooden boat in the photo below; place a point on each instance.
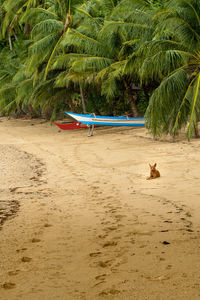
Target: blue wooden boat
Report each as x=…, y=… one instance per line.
x=92, y=119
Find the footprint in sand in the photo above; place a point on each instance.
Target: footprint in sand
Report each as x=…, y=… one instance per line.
x=189, y=230
x=100, y=277
x=105, y=222
x=35, y=240
x=26, y=259
x=98, y=283
x=162, y=259
x=132, y=241
x=188, y=214
x=47, y=225
x=102, y=236
x=109, y=244
x=13, y=273
x=119, y=217
x=22, y=249
x=8, y=285
x=105, y=264
x=94, y=254
x=109, y=292
x=110, y=228
x=168, y=267
x=148, y=233
x=168, y=221
x=14, y=189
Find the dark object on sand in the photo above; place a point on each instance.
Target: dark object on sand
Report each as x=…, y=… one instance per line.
x=165, y=243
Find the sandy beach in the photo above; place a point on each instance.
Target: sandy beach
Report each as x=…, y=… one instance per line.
x=79, y=220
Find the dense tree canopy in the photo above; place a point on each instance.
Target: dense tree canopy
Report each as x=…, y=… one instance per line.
x=103, y=56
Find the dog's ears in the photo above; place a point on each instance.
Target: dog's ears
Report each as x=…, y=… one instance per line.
x=155, y=165
x=150, y=166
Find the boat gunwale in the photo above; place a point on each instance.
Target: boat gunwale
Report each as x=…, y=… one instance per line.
x=104, y=117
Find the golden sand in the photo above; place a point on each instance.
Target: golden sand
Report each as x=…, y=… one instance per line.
x=89, y=225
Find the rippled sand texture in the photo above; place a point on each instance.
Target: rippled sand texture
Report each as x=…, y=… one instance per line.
x=88, y=224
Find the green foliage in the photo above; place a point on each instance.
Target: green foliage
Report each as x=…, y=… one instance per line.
x=121, y=53
x=175, y=103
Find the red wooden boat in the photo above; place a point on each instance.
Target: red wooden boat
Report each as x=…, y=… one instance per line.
x=70, y=126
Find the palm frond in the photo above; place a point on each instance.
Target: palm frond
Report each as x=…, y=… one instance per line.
x=47, y=27
x=84, y=43
x=46, y=43
x=165, y=102
x=195, y=107
x=36, y=15
x=62, y=60
x=90, y=63
x=159, y=65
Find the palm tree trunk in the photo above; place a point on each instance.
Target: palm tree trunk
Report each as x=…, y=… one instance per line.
x=196, y=131
x=132, y=100
x=27, y=29
x=31, y=111
x=16, y=38
x=82, y=100
x=9, y=39
x=73, y=107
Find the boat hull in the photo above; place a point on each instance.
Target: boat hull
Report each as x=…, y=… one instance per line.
x=107, y=121
x=70, y=126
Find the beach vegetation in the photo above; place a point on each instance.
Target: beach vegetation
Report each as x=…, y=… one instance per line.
x=104, y=56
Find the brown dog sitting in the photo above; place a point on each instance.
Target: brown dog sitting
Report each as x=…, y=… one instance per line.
x=153, y=172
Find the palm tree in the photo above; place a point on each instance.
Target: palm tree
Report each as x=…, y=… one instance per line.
x=11, y=76
x=102, y=46
x=49, y=24
x=46, y=23
x=11, y=12
x=173, y=60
